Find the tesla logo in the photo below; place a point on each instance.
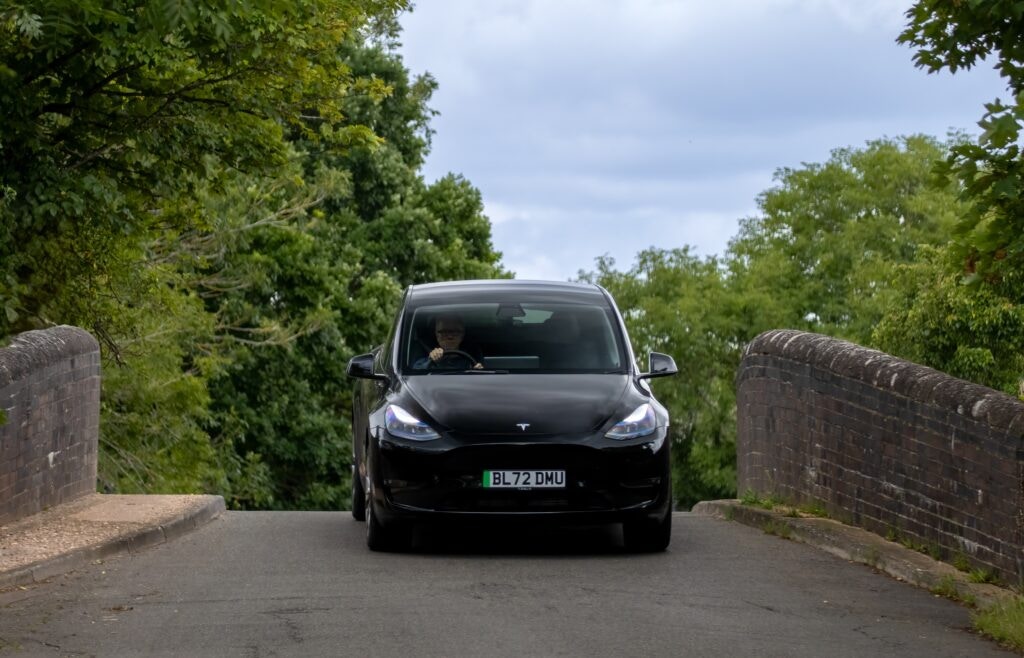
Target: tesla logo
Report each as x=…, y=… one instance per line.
x=522, y=426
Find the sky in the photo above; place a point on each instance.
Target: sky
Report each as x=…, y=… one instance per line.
x=605, y=127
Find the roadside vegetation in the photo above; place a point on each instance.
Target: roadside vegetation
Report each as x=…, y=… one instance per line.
x=229, y=197
x=1003, y=622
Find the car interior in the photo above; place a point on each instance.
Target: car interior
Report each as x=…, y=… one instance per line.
x=541, y=337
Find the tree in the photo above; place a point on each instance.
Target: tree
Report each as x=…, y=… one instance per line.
x=961, y=308
x=959, y=35
x=283, y=409
x=971, y=332
x=121, y=120
x=820, y=256
x=677, y=303
x=112, y=110
x=821, y=253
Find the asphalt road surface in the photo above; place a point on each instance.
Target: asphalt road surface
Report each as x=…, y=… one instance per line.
x=304, y=584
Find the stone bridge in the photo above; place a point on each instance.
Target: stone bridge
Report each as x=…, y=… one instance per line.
x=892, y=446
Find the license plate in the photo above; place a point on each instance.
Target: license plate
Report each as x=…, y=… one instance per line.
x=524, y=479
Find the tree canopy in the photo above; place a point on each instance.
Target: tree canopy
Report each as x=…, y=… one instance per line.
x=228, y=196
x=961, y=35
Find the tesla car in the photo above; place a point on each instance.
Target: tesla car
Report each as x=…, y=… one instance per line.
x=514, y=401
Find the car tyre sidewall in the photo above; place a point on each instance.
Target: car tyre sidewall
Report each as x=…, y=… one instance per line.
x=358, y=495
x=648, y=535
x=381, y=538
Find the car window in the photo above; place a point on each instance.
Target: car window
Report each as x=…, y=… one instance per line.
x=522, y=337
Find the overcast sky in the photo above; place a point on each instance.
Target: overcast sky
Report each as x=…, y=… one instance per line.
x=605, y=127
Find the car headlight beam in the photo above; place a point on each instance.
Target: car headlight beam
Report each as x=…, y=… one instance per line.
x=403, y=424
x=639, y=423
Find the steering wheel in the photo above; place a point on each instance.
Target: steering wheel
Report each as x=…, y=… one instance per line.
x=456, y=355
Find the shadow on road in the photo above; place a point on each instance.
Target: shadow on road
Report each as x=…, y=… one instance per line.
x=491, y=539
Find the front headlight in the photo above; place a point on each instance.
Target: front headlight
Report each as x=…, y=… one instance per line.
x=403, y=424
x=639, y=423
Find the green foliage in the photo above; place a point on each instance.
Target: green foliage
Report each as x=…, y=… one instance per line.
x=321, y=284
x=1004, y=622
x=947, y=587
x=987, y=576
x=113, y=110
x=227, y=195
x=778, y=528
x=972, y=332
x=154, y=401
x=665, y=301
x=960, y=307
x=820, y=255
x=751, y=498
x=956, y=35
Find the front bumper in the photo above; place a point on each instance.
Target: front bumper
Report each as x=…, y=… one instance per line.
x=606, y=480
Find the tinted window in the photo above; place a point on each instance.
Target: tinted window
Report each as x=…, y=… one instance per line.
x=518, y=337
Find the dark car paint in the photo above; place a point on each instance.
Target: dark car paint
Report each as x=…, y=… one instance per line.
x=497, y=403
x=479, y=418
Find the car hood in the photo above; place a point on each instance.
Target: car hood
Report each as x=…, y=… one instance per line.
x=499, y=404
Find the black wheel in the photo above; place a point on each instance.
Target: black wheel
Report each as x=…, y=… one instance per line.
x=358, y=495
x=647, y=535
x=456, y=359
x=393, y=537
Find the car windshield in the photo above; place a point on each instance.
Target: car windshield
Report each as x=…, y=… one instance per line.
x=542, y=337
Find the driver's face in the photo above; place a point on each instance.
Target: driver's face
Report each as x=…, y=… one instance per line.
x=449, y=335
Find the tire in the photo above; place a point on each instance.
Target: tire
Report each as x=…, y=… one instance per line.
x=380, y=538
x=358, y=496
x=646, y=535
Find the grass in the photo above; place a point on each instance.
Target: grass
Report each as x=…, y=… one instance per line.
x=815, y=509
x=947, y=588
x=1003, y=622
x=983, y=576
x=777, y=529
x=931, y=549
x=752, y=499
x=908, y=542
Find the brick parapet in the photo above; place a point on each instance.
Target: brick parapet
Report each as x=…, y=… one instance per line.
x=889, y=445
x=49, y=393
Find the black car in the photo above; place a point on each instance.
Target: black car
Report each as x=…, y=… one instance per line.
x=509, y=400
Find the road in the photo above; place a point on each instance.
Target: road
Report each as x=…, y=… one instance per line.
x=303, y=584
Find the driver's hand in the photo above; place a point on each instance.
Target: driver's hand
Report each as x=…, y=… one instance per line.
x=436, y=354
x=478, y=366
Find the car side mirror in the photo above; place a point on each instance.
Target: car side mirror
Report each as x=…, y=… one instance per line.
x=361, y=366
x=659, y=365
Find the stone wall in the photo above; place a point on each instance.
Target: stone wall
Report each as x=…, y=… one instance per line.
x=50, y=395
x=892, y=446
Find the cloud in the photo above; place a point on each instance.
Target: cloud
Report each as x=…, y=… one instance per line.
x=555, y=242
x=593, y=124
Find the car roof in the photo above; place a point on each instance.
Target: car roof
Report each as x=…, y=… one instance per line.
x=505, y=290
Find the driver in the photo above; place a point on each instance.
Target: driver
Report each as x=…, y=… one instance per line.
x=449, y=331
